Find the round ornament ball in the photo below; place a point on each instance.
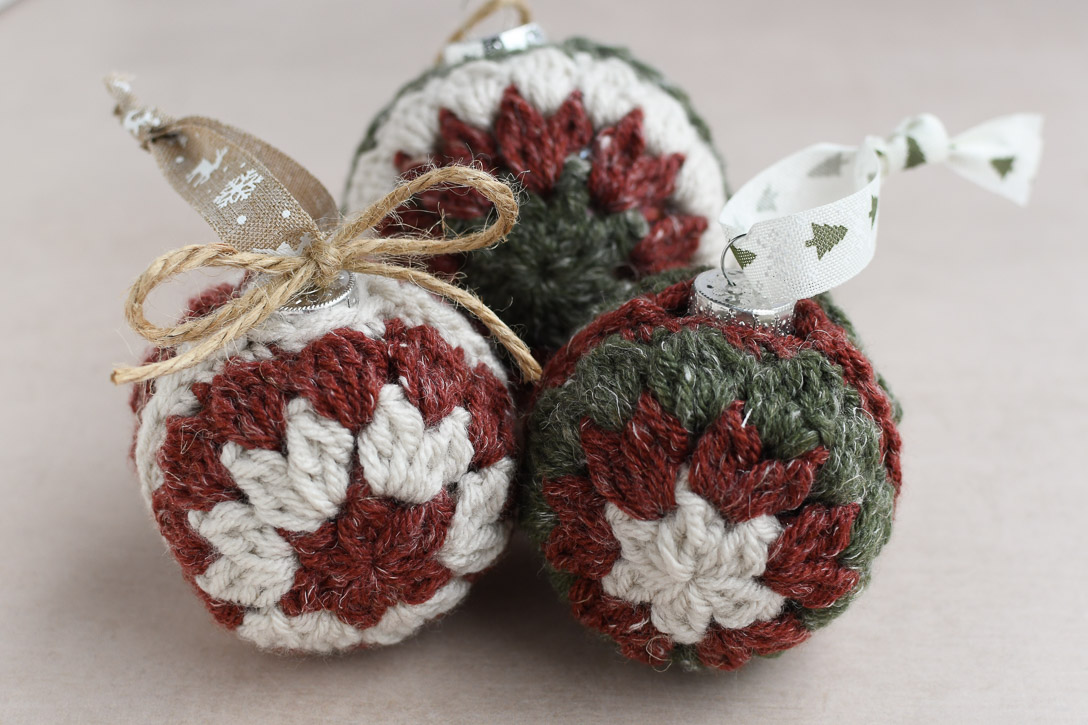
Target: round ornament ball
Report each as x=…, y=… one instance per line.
x=617, y=175
x=336, y=478
x=705, y=491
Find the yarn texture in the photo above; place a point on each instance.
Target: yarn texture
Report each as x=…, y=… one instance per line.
x=705, y=492
x=336, y=478
x=617, y=174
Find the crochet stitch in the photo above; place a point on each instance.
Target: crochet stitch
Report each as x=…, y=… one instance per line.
x=618, y=177
x=338, y=477
x=704, y=492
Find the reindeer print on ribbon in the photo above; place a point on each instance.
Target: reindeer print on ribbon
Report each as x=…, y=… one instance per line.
x=204, y=170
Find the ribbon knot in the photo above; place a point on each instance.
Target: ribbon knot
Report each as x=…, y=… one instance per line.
x=918, y=140
x=276, y=220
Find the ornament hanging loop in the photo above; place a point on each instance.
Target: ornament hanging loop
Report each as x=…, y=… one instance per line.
x=525, y=35
x=525, y=16
x=721, y=262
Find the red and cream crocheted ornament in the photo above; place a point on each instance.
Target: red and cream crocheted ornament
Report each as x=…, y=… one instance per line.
x=335, y=478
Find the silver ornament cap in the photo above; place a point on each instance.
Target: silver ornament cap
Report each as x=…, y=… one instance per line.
x=315, y=298
x=729, y=296
x=522, y=37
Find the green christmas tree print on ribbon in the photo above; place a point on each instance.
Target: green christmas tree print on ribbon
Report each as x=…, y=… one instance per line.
x=1003, y=166
x=915, y=155
x=744, y=257
x=825, y=237
x=766, y=202
x=831, y=166
x=825, y=198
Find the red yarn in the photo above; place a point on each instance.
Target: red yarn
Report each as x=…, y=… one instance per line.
x=727, y=469
x=628, y=624
x=377, y=552
x=728, y=649
x=623, y=177
x=642, y=480
x=535, y=148
x=813, y=329
x=802, y=563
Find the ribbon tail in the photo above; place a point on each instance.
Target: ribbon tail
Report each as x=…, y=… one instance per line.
x=1001, y=155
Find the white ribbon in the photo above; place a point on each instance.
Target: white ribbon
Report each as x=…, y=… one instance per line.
x=810, y=221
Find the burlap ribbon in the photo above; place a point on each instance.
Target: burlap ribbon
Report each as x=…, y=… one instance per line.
x=275, y=218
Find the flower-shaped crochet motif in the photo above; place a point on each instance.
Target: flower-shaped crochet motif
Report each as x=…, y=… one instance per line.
x=594, y=200
x=677, y=539
x=692, y=567
x=356, y=554
x=534, y=148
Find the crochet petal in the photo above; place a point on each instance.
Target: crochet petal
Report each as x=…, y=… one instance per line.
x=727, y=470
x=803, y=561
x=728, y=649
x=636, y=468
x=535, y=148
x=671, y=243
x=582, y=543
x=623, y=177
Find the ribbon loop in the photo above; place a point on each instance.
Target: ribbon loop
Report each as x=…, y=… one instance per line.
x=274, y=218
x=810, y=220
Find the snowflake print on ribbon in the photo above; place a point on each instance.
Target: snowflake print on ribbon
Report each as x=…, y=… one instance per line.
x=239, y=188
x=594, y=200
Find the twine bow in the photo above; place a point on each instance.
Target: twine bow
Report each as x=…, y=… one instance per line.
x=257, y=198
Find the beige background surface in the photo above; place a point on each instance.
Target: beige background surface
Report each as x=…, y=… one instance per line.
x=973, y=309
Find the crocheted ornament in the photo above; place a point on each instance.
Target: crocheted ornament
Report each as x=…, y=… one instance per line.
x=328, y=448
x=713, y=467
x=338, y=477
x=704, y=491
x=617, y=172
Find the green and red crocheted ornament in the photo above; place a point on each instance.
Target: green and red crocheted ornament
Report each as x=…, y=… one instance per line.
x=705, y=491
x=617, y=174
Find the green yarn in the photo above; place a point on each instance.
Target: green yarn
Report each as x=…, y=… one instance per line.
x=648, y=285
x=559, y=264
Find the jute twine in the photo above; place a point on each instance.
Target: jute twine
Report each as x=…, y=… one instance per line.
x=275, y=213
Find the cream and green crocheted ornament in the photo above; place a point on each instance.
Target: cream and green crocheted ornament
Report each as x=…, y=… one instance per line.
x=618, y=178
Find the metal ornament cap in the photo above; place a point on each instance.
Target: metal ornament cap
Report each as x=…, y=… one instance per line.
x=522, y=37
x=729, y=296
x=315, y=298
